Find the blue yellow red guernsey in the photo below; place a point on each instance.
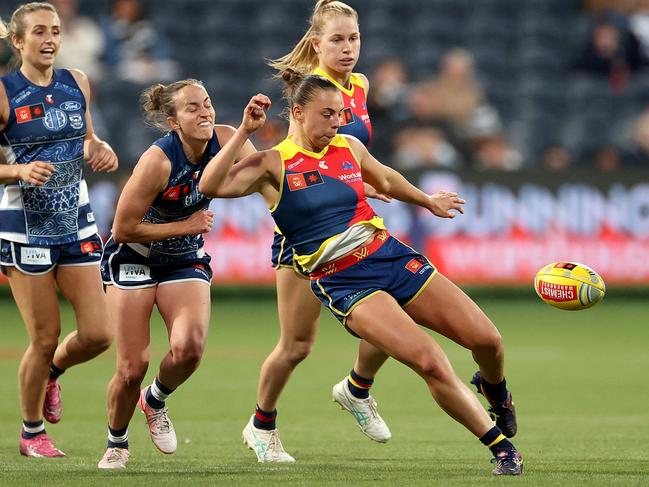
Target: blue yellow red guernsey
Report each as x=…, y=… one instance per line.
x=321, y=197
x=355, y=119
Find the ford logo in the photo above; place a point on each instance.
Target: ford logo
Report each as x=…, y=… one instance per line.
x=71, y=106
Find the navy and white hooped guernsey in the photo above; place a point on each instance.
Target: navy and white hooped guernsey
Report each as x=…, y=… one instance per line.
x=178, y=201
x=46, y=123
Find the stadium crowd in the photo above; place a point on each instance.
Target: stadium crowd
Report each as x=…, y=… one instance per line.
x=513, y=85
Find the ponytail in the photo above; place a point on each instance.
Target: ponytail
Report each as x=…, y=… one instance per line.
x=303, y=58
x=159, y=102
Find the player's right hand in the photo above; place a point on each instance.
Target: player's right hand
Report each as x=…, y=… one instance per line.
x=199, y=222
x=254, y=115
x=35, y=173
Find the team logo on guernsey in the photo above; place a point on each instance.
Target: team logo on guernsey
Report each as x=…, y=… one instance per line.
x=347, y=166
x=28, y=113
x=55, y=119
x=304, y=180
x=346, y=117
x=76, y=121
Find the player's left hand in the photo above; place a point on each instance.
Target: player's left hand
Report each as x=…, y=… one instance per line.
x=442, y=202
x=100, y=156
x=254, y=115
x=371, y=192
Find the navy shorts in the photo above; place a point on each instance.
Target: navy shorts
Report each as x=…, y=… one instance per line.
x=394, y=268
x=281, y=252
x=282, y=255
x=125, y=268
x=41, y=259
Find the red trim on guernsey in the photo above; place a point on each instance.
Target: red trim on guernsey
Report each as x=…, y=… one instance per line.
x=349, y=260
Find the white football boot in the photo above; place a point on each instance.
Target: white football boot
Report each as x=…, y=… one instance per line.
x=114, y=458
x=364, y=411
x=160, y=427
x=265, y=443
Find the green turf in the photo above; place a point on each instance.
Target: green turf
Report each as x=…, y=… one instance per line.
x=579, y=380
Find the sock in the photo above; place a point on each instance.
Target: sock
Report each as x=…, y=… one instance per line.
x=157, y=394
x=117, y=438
x=496, y=441
x=359, y=386
x=264, y=420
x=55, y=372
x=494, y=392
x=32, y=429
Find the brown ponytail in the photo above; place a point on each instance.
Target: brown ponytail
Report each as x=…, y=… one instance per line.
x=159, y=102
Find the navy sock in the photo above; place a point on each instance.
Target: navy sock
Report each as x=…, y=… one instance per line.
x=264, y=420
x=359, y=386
x=494, y=392
x=496, y=441
x=55, y=372
x=117, y=438
x=32, y=429
x=156, y=398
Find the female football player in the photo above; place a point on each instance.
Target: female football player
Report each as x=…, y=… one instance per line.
x=47, y=228
x=379, y=288
x=330, y=48
x=156, y=257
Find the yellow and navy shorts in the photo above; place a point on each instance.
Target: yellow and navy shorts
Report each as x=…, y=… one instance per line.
x=40, y=259
x=282, y=255
x=123, y=267
x=393, y=268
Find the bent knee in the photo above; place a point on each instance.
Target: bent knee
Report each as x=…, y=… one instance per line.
x=188, y=353
x=434, y=369
x=45, y=345
x=98, y=341
x=132, y=374
x=488, y=339
x=295, y=352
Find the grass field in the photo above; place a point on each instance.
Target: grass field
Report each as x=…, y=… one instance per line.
x=579, y=381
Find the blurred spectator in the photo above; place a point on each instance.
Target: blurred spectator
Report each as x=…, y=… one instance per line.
x=639, y=25
x=637, y=152
x=455, y=95
x=495, y=153
x=612, y=51
x=386, y=103
x=423, y=147
x=556, y=158
x=598, y=6
x=84, y=41
x=134, y=49
x=608, y=159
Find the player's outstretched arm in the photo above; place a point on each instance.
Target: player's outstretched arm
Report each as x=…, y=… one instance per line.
x=392, y=183
x=254, y=117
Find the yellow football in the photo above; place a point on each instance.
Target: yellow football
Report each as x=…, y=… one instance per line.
x=569, y=285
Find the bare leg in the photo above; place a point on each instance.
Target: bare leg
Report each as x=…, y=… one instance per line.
x=369, y=360
x=39, y=307
x=81, y=285
x=130, y=311
x=384, y=324
x=299, y=316
x=185, y=308
x=444, y=308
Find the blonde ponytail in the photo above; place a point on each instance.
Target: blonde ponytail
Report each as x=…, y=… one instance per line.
x=303, y=58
